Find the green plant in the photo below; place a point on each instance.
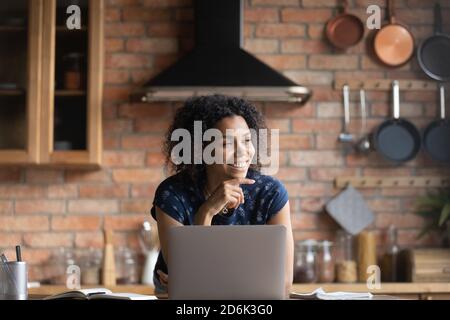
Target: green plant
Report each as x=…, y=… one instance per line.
x=436, y=208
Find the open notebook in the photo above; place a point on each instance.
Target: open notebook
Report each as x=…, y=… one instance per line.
x=97, y=294
x=320, y=294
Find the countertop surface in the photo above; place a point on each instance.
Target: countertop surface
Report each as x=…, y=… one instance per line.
x=386, y=288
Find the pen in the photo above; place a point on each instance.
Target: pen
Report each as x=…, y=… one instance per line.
x=10, y=274
x=18, y=253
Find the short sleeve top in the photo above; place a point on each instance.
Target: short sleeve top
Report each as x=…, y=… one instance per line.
x=263, y=199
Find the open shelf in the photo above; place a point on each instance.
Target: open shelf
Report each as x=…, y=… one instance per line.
x=12, y=29
x=14, y=92
x=70, y=93
x=64, y=29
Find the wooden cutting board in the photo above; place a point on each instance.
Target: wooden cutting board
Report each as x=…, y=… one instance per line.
x=426, y=265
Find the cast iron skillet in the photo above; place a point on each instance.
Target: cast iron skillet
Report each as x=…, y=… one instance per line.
x=397, y=139
x=434, y=52
x=436, y=137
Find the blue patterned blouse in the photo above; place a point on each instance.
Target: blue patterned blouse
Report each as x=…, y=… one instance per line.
x=263, y=200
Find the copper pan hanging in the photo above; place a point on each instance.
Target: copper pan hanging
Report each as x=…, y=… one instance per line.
x=393, y=43
x=344, y=30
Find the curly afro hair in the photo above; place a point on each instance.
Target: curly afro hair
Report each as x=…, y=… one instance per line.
x=209, y=110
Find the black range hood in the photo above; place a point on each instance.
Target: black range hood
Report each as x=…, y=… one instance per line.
x=218, y=64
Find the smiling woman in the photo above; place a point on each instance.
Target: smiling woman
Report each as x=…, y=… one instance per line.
x=229, y=191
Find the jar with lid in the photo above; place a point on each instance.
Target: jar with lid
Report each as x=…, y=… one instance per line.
x=55, y=271
x=126, y=266
x=305, y=265
x=73, y=67
x=326, y=262
x=346, y=268
x=90, y=263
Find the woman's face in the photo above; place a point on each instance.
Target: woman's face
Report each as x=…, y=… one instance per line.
x=238, y=149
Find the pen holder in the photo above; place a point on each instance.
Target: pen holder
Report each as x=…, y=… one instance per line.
x=13, y=280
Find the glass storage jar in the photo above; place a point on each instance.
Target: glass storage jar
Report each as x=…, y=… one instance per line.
x=126, y=267
x=305, y=265
x=326, y=262
x=346, y=268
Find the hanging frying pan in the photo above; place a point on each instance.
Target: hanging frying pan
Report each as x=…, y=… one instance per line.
x=436, y=137
x=393, y=43
x=434, y=52
x=344, y=30
x=397, y=140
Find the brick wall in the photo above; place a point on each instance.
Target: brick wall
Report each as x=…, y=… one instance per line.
x=44, y=209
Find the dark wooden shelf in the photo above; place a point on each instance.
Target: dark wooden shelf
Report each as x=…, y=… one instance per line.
x=70, y=93
x=12, y=28
x=64, y=29
x=14, y=92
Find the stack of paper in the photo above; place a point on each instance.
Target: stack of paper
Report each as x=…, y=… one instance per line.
x=320, y=294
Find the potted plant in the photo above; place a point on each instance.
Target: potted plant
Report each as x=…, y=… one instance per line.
x=436, y=207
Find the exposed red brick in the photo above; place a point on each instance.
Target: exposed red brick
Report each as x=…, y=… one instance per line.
x=45, y=240
x=89, y=240
x=261, y=15
x=160, y=45
x=24, y=223
x=6, y=207
x=40, y=206
x=274, y=30
x=261, y=45
x=136, y=206
x=138, y=175
x=22, y=191
x=10, y=239
x=99, y=207
x=104, y=191
x=123, y=158
x=145, y=14
x=125, y=222
x=10, y=175
x=76, y=176
x=302, y=15
x=76, y=223
x=114, y=44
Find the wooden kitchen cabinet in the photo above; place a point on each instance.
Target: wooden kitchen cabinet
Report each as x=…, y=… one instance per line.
x=20, y=74
x=63, y=91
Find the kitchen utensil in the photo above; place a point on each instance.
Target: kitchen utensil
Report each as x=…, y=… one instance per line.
x=425, y=265
x=150, y=245
x=397, y=139
x=350, y=211
x=363, y=145
x=436, y=137
x=367, y=254
x=393, y=43
x=345, y=137
x=109, y=269
x=344, y=30
x=433, y=53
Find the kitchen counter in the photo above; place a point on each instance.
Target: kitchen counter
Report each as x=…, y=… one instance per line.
x=425, y=291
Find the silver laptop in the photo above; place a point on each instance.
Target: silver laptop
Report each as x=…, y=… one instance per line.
x=227, y=262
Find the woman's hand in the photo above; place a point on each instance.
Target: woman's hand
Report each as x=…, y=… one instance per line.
x=163, y=278
x=228, y=194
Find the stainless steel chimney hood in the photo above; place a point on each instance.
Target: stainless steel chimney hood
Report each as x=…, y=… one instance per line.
x=218, y=64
